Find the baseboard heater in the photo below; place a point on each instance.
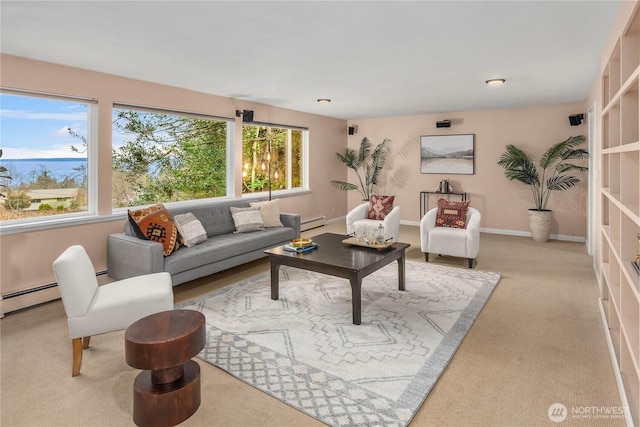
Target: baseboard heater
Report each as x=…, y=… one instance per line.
x=39, y=288
x=308, y=224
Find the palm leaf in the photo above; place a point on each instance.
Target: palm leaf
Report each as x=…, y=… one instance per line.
x=378, y=159
x=343, y=186
x=558, y=151
x=565, y=167
x=562, y=182
x=348, y=158
x=364, y=151
x=519, y=166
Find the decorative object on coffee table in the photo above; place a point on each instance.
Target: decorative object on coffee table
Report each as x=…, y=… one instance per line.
x=167, y=392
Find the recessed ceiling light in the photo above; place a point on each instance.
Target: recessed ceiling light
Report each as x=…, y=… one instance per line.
x=324, y=100
x=495, y=82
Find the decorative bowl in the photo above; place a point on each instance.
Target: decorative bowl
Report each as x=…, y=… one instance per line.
x=301, y=242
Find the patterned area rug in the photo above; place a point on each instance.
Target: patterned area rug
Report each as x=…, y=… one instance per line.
x=304, y=350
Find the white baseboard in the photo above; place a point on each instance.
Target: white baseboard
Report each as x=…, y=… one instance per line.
x=511, y=232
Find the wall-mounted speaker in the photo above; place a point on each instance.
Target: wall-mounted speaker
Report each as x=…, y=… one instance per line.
x=247, y=116
x=443, y=124
x=352, y=130
x=576, y=119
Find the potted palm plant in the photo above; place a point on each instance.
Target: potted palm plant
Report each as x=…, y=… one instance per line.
x=549, y=174
x=367, y=165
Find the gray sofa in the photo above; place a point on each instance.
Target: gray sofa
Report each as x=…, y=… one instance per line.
x=128, y=255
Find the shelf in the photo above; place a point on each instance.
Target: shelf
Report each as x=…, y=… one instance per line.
x=619, y=163
x=611, y=76
x=629, y=114
x=630, y=320
x=626, y=148
x=630, y=375
x=630, y=48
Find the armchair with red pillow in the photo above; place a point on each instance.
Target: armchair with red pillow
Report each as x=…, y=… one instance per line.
x=452, y=228
x=378, y=210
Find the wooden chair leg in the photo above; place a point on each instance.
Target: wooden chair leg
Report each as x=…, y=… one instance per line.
x=77, y=356
x=470, y=262
x=426, y=256
x=85, y=343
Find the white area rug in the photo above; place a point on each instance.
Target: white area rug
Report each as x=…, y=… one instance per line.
x=304, y=349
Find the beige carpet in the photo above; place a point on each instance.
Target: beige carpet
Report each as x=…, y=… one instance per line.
x=538, y=341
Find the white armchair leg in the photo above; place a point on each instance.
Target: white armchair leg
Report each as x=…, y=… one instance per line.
x=77, y=356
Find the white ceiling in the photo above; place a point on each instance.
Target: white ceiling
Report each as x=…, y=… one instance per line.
x=372, y=58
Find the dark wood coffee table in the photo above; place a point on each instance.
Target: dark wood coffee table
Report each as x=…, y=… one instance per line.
x=340, y=260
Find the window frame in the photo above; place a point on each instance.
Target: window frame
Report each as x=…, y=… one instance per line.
x=51, y=221
x=289, y=191
x=230, y=137
x=233, y=168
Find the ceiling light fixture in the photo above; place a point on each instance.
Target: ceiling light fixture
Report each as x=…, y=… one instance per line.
x=324, y=101
x=495, y=82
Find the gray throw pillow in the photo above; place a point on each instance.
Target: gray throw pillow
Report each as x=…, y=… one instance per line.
x=190, y=229
x=246, y=219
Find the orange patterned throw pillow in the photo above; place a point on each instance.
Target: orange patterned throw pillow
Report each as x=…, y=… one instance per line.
x=380, y=206
x=155, y=223
x=452, y=214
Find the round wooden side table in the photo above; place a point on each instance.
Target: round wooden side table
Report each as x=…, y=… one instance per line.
x=167, y=391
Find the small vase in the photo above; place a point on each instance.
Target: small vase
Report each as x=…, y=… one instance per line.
x=540, y=225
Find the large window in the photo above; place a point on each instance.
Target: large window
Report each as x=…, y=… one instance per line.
x=167, y=157
x=272, y=158
x=44, y=161
x=48, y=158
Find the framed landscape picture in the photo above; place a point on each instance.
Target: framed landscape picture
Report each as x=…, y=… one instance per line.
x=447, y=154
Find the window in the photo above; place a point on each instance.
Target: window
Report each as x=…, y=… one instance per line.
x=272, y=158
x=161, y=156
x=44, y=160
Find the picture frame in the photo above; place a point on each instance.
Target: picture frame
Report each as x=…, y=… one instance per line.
x=447, y=154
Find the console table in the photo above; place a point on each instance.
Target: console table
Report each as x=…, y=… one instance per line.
x=424, y=199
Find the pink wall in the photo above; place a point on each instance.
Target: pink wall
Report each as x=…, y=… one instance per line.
x=26, y=260
x=27, y=257
x=503, y=204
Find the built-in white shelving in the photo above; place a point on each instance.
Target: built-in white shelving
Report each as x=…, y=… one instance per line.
x=620, y=207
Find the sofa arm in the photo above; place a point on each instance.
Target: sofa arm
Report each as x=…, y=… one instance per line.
x=292, y=221
x=130, y=256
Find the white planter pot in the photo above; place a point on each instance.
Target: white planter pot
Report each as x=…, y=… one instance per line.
x=540, y=225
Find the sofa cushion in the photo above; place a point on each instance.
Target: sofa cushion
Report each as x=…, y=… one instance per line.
x=246, y=219
x=190, y=229
x=225, y=246
x=380, y=206
x=155, y=223
x=452, y=214
x=270, y=213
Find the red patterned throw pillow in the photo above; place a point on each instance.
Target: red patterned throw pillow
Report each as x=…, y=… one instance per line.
x=155, y=223
x=380, y=206
x=452, y=214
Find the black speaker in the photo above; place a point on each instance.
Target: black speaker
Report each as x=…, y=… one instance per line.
x=443, y=124
x=352, y=130
x=247, y=116
x=576, y=119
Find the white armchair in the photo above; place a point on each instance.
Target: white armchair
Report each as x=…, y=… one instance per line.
x=457, y=242
x=357, y=218
x=94, y=310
